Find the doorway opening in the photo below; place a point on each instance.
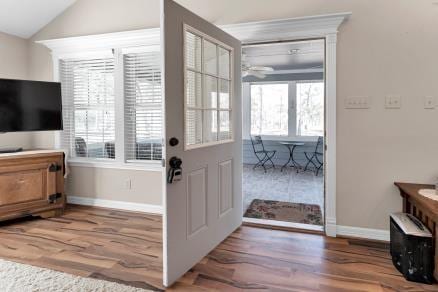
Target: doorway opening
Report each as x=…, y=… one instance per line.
x=283, y=134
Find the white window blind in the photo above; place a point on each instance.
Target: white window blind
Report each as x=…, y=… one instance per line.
x=88, y=107
x=143, y=106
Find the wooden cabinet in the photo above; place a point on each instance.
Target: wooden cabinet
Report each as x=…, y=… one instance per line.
x=31, y=183
x=425, y=209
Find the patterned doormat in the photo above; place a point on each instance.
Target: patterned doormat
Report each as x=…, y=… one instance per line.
x=285, y=211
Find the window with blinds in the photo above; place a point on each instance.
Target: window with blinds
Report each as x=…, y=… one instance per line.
x=88, y=107
x=143, y=106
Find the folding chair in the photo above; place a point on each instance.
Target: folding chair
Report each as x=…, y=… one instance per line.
x=261, y=153
x=316, y=157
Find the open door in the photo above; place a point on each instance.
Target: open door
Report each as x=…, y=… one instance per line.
x=202, y=89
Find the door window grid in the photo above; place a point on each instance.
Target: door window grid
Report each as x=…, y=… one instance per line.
x=207, y=90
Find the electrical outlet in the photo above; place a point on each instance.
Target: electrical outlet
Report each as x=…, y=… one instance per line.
x=429, y=102
x=357, y=103
x=393, y=102
x=128, y=184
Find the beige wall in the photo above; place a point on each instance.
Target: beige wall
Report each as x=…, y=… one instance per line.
x=110, y=184
x=14, y=65
x=387, y=47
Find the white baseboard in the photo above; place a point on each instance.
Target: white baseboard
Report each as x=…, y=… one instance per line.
x=128, y=206
x=330, y=226
x=367, y=233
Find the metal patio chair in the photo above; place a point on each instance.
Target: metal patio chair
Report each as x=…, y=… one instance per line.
x=261, y=153
x=316, y=157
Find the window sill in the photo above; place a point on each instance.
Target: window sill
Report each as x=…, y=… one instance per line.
x=140, y=166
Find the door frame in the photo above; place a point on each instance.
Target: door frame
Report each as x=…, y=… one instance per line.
x=302, y=28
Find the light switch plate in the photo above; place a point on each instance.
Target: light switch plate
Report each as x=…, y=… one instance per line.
x=393, y=102
x=357, y=102
x=429, y=102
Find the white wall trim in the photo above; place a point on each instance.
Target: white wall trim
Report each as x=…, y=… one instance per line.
x=366, y=233
x=152, y=166
x=287, y=29
x=98, y=42
x=120, y=205
x=321, y=26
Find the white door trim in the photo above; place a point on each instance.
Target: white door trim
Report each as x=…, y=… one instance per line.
x=320, y=26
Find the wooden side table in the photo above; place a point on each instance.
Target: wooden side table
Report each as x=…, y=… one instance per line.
x=423, y=208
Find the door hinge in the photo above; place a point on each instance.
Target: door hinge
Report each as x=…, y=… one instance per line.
x=163, y=162
x=54, y=167
x=54, y=197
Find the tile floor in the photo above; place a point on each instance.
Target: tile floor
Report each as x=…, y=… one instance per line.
x=286, y=186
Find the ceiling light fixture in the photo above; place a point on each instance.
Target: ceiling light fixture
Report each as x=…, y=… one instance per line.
x=293, y=51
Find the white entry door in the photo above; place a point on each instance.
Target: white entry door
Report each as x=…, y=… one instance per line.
x=202, y=89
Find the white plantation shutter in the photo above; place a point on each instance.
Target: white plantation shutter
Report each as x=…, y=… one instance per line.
x=88, y=107
x=143, y=106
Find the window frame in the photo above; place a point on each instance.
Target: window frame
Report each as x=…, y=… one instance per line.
x=292, y=111
x=188, y=29
x=120, y=161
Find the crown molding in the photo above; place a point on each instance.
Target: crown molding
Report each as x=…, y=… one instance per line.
x=287, y=29
x=124, y=39
x=250, y=32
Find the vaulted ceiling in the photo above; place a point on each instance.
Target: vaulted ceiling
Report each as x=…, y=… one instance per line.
x=24, y=18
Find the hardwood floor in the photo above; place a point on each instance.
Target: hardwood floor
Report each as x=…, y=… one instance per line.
x=99, y=243
x=126, y=247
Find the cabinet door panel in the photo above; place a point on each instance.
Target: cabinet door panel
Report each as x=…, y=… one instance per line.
x=22, y=187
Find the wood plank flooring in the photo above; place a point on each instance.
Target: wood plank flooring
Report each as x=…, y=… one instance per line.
x=118, y=246
x=127, y=247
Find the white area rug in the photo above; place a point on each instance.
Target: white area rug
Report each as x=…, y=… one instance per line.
x=15, y=277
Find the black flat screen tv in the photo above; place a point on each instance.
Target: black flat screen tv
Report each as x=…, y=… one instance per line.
x=30, y=106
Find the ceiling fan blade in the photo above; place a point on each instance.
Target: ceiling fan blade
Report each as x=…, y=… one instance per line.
x=261, y=68
x=256, y=74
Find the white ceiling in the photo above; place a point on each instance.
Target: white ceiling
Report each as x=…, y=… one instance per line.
x=24, y=18
x=287, y=56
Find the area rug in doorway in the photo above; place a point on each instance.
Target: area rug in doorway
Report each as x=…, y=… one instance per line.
x=15, y=277
x=285, y=211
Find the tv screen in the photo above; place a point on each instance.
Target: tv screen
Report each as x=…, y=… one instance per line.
x=30, y=106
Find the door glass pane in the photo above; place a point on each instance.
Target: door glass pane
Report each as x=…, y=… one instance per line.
x=193, y=51
x=224, y=63
x=193, y=88
x=210, y=126
x=224, y=125
x=224, y=94
x=210, y=96
x=210, y=58
x=193, y=127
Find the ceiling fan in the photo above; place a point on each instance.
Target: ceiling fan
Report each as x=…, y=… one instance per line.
x=256, y=71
